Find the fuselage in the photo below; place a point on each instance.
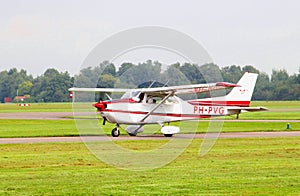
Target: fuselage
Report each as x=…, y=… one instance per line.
x=129, y=111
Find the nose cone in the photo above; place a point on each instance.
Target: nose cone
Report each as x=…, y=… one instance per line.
x=100, y=106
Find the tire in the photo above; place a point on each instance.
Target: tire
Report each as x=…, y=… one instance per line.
x=115, y=132
x=168, y=135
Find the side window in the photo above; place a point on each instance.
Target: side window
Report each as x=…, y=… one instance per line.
x=153, y=100
x=141, y=97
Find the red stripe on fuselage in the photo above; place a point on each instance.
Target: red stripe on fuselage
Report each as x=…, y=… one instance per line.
x=159, y=114
x=120, y=101
x=220, y=103
x=193, y=102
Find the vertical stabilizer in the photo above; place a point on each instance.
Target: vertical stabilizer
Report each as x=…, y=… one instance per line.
x=243, y=93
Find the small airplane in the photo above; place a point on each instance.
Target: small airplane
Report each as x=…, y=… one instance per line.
x=161, y=105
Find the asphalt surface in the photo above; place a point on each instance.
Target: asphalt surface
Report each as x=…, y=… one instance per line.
x=36, y=115
x=148, y=137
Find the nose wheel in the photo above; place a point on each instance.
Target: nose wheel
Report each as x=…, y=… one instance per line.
x=115, y=132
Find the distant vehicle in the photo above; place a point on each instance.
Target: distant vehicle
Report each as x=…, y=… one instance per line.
x=161, y=105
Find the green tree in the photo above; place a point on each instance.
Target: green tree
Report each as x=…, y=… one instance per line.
x=124, y=67
x=192, y=73
x=250, y=68
x=52, y=86
x=108, y=68
x=279, y=76
x=24, y=88
x=211, y=73
x=138, y=74
x=10, y=82
x=173, y=76
x=89, y=77
x=231, y=73
x=263, y=90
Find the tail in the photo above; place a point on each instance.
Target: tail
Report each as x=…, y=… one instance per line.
x=241, y=96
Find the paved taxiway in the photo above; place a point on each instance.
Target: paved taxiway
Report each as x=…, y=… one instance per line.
x=149, y=137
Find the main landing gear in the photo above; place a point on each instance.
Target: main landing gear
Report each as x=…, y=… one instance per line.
x=115, y=132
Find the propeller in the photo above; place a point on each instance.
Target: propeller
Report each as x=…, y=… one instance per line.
x=104, y=120
x=100, y=106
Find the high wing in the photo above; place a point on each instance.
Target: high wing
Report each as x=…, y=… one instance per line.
x=183, y=89
x=104, y=90
x=187, y=89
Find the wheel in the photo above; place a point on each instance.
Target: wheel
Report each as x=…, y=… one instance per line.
x=168, y=135
x=115, y=132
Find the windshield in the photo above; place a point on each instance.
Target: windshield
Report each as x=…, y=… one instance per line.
x=130, y=94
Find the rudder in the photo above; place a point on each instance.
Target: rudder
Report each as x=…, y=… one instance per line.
x=244, y=92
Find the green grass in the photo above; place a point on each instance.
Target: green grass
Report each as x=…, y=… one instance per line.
x=270, y=115
x=42, y=128
x=36, y=107
x=33, y=128
x=65, y=107
x=277, y=104
x=233, y=166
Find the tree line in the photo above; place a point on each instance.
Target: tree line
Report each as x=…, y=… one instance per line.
x=52, y=85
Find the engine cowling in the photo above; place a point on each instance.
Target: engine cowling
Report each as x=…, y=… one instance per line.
x=100, y=106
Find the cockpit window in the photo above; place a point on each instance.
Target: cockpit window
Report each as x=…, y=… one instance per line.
x=171, y=100
x=130, y=94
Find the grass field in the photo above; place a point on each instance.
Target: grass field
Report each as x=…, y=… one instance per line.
x=32, y=128
x=42, y=128
x=277, y=104
x=67, y=106
x=37, y=128
x=37, y=107
x=233, y=166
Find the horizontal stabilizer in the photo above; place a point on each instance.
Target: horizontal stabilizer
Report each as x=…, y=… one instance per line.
x=246, y=109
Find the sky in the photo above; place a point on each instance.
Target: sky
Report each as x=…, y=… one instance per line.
x=36, y=35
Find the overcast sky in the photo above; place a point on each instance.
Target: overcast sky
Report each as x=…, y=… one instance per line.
x=37, y=34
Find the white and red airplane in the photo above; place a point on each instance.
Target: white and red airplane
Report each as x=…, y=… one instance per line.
x=160, y=105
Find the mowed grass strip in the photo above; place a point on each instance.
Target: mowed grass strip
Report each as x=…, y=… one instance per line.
x=233, y=166
x=36, y=128
x=36, y=107
x=269, y=115
x=45, y=128
x=32, y=128
x=277, y=104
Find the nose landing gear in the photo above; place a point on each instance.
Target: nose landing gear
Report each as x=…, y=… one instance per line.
x=115, y=132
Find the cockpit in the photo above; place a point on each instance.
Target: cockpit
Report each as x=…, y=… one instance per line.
x=140, y=97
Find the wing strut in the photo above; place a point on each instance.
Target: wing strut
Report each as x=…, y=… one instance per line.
x=149, y=113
